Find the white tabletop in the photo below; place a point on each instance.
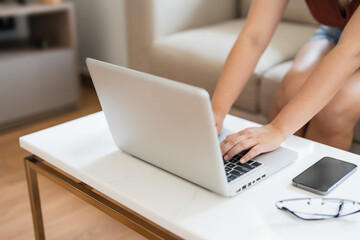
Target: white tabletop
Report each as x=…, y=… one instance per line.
x=84, y=149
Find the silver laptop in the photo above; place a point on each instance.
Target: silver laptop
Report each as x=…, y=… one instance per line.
x=170, y=125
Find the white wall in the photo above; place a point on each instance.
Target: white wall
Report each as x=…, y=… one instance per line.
x=101, y=29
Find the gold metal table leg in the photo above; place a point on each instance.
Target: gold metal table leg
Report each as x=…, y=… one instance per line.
x=33, y=188
x=34, y=165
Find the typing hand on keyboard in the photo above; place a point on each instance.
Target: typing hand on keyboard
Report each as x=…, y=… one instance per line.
x=256, y=139
x=235, y=169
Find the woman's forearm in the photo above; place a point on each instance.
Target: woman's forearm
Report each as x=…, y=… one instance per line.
x=322, y=85
x=324, y=82
x=262, y=20
x=237, y=70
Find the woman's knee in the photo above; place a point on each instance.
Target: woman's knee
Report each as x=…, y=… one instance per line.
x=341, y=114
x=289, y=86
x=333, y=119
x=304, y=63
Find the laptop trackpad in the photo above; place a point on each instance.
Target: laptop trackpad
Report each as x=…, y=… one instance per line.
x=224, y=133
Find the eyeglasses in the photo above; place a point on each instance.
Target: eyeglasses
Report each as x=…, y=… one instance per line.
x=319, y=208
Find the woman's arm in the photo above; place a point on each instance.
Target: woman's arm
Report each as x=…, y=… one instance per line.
x=321, y=86
x=262, y=20
x=325, y=81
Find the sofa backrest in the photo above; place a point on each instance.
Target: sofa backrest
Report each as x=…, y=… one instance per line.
x=148, y=20
x=296, y=11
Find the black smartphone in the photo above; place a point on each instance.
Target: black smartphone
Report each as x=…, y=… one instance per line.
x=324, y=175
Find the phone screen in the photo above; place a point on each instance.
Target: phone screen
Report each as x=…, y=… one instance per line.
x=324, y=175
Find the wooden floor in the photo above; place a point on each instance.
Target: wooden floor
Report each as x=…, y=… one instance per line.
x=65, y=216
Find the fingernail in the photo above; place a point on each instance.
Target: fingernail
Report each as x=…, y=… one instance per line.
x=242, y=160
x=226, y=157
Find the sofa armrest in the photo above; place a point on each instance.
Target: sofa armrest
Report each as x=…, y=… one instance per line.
x=148, y=20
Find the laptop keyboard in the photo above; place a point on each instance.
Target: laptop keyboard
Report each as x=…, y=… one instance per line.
x=235, y=169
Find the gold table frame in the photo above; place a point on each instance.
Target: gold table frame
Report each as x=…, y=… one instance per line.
x=121, y=213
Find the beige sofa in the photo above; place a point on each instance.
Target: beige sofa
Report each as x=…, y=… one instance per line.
x=189, y=40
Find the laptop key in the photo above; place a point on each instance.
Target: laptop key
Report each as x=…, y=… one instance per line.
x=233, y=160
x=227, y=169
x=231, y=177
x=256, y=164
x=240, y=169
x=236, y=173
x=248, y=166
x=230, y=165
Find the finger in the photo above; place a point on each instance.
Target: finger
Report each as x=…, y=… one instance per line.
x=229, y=143
x=254, y=151
x=226, y=146
x=232, y=139
x=241, y=146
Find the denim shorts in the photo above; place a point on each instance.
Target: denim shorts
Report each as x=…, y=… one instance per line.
x=325, y=32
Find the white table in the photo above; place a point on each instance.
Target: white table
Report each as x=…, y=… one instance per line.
x=84, y=149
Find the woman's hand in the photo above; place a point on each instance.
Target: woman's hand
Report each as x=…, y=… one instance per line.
x=256, y=139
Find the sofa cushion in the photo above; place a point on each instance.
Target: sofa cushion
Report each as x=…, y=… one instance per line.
x=197, y=56
x=269, y=85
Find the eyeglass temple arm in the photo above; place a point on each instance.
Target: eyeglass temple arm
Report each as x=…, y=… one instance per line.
x=341, y=207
